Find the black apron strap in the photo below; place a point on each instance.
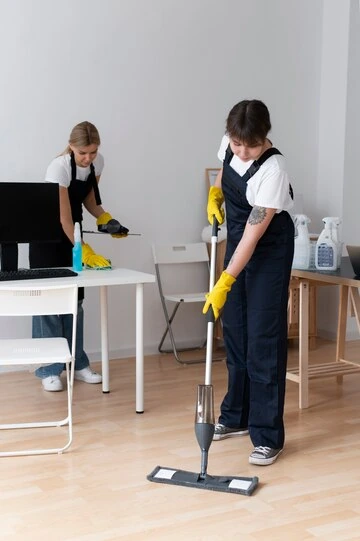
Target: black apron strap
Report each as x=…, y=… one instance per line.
x=73, y=166
x=95, y=184
x=91, y=178
x=228, y=155
x=255, y=166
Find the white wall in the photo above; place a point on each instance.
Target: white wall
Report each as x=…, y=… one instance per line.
x=338, y=188
x=351, y=195
x=158, y=79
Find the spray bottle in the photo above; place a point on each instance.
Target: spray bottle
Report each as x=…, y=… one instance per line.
x=335, y=235
x=326, y=254
x=302, y=242
x=77, y=249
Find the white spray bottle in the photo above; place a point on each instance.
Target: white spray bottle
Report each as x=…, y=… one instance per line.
x=302, y=248
x=335, y=235
x=326, y=254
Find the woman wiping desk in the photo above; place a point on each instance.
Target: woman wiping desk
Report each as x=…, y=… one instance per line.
x=77, y=171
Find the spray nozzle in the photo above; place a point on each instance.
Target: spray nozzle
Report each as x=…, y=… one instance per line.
x=301, y=219
x=300, y=222
x=332, y=220
x=77, y=232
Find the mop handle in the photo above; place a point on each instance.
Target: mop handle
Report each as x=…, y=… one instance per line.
x=214, y=236
x=210, y=313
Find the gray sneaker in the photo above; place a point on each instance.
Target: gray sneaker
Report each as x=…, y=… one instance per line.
x=264, y=456
x=221, y=432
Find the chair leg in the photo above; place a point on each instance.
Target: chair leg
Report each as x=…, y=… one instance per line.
x=168, y=330
x=66, y=422
x=175, y=350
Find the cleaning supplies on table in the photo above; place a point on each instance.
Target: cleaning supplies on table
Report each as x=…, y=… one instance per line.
x=302, y=248
x=328, y=246
x=77, y=249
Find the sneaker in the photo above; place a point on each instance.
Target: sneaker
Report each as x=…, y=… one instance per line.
x=264, y=456
x=88, y=375
x=52, y=383
x=221, y=432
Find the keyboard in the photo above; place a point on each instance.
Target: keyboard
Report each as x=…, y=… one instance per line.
x=35, y=274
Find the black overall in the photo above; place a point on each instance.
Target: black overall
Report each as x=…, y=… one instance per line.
x=60, y=254
x=255, y=318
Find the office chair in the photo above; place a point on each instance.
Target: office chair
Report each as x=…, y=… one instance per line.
x=195, y=257
x=23, y=299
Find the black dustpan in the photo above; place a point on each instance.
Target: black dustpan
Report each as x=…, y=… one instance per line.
x=205, y=423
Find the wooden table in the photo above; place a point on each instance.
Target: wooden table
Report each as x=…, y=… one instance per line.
x=348, y=293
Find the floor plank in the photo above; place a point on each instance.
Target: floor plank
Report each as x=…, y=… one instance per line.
x=98, y=491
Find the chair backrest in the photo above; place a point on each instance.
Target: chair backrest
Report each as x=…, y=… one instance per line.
x=193, y=272
x=180, y=253
x=24, y=300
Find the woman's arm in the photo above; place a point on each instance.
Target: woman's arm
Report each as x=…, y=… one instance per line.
x=258, y=222
x=217, y=182
x=90, y=203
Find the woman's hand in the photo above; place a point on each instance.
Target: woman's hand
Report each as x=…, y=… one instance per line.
x=217, y=296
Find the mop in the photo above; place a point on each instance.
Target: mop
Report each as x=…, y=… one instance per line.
x=205, y=423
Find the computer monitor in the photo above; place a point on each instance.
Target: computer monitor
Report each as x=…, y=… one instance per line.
x=29, y=212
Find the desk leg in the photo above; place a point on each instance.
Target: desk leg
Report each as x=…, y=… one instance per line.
x=104, y=340
x=139, y=348
x=341, y=330
x=304, y=345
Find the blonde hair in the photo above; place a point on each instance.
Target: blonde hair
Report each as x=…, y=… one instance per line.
x=83, y=135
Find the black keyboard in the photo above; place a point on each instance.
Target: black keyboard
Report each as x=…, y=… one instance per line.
x=34, y=274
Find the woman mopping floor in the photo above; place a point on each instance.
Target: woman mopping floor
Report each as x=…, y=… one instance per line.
x=205, y=424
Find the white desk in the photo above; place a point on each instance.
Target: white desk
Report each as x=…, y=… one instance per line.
x=103, y=279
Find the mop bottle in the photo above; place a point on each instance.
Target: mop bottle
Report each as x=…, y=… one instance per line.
x=302, y=247
x=326, y=254
x=77, y=249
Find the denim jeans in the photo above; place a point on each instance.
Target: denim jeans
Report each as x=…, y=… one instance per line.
x=53, y=326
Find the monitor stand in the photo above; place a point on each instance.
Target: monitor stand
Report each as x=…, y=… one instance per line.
x=9, y=256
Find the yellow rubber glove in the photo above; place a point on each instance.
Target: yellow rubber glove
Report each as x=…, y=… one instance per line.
x=105, y=218
x=217, y=296
x=91, y=259
x=215, y=201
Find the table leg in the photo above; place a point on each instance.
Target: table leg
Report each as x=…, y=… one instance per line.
x=139, y=348
x=104, y=340
x=304, y=345
x=341, y=330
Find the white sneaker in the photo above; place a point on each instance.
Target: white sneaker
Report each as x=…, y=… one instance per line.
x=88, y=375
x=52, y=383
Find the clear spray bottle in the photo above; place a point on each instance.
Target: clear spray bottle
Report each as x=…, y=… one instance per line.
x=302, y=248
x=77, y=249
x=335, y=235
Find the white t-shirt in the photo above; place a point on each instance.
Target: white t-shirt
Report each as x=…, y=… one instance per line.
x=269, y=187
x=59, y=170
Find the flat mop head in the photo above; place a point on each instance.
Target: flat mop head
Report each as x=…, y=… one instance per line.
x=235, y=485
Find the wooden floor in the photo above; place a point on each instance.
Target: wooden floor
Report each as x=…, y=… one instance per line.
x=98, y=491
